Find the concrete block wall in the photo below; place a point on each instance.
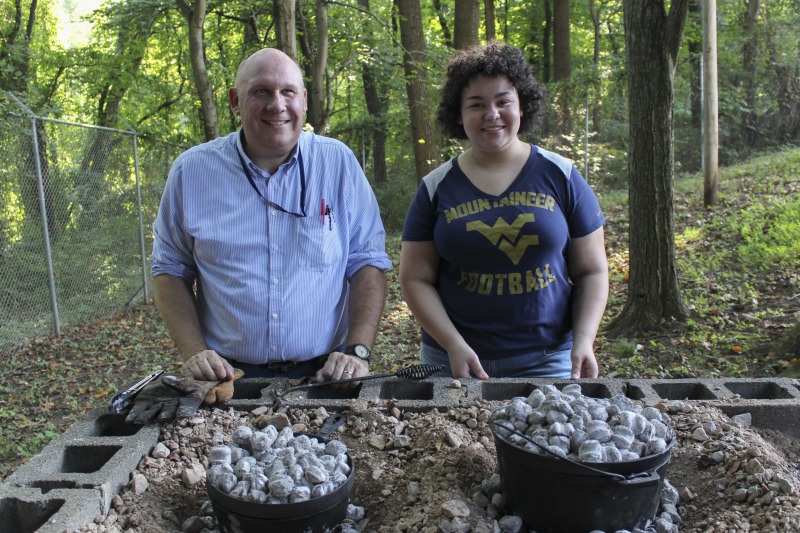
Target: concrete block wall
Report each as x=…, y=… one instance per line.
x=75, y=477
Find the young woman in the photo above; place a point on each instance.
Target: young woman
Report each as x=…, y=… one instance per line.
x=503, y=258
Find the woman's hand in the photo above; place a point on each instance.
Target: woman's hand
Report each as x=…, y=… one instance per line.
x=463, y=360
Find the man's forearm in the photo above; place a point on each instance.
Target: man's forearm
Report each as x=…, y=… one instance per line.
x=177, y=306
x=367, y=298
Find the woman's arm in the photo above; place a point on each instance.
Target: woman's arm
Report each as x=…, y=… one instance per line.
x=419, y=263
x=588, y=270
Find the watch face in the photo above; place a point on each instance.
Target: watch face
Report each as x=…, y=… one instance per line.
x=361, y=351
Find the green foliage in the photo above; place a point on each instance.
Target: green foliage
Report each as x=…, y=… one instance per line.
x=160, y=100
x=770, y=235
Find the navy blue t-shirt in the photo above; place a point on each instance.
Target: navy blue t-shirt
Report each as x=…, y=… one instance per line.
x=503, y=273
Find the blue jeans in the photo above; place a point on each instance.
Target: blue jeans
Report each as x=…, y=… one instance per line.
x=544, y=364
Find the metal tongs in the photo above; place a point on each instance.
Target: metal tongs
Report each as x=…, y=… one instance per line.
x=410, y=372
x=124, y=399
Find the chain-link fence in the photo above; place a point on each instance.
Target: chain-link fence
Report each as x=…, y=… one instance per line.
x=76, y=207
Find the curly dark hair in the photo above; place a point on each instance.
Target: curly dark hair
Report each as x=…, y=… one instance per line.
x=494, y=59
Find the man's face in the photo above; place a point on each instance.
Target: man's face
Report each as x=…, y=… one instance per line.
x=271, y=101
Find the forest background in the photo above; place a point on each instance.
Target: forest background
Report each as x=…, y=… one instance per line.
x=161, y=69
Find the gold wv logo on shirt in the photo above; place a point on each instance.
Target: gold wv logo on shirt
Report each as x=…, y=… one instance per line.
x=507, y=235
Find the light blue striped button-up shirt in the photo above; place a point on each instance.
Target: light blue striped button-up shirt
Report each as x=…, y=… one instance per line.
x=270, y=286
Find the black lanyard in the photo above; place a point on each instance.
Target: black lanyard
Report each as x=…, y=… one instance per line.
x=273, y=204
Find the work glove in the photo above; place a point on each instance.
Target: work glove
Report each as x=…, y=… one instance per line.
x=223, y=391
x=174, y=397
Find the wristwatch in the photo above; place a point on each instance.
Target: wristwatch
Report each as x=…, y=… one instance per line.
x=359, y=350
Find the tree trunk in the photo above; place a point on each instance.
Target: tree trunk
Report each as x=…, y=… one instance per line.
x=652, y=42
x=317, y=115
x=562, y=64
x=488, y=18
x=195, y=16
x=285, y=27
x=562, y=61
x=15, y=52
x=710, y=105
x=448, y=39
x=422, y=128
x=594, y=13
x=546, y=47
x=376, y=107
x=750, y=73
x=694, y=44
x=467, y=21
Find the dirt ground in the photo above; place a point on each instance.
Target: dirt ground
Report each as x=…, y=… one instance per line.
x=432, y=472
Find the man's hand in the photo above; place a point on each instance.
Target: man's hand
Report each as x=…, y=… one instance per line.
x=208, y=365
x=342, y=366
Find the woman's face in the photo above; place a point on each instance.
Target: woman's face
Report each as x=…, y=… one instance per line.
x=490, y=112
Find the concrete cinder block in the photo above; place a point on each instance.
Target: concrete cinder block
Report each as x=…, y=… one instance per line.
x=410, y=395
x=99, y=452
x=28, y=510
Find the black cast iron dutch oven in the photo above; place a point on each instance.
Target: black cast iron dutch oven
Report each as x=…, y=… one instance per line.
x=554, y=494
x=315, y=515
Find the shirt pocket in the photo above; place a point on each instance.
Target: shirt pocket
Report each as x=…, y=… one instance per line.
x=322, y=244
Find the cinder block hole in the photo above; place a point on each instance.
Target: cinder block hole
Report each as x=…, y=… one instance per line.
x=758, y=390
x=634, y=393
x=683, y=391
x=493, y=391
x=333, y=393
x=592, y=390
x=247, y=390
x=86, y=459
x=47, y=486
x=22, y=516
x=113, y=426
x=406, y=390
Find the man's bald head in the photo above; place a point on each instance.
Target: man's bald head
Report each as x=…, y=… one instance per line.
x=263, y=57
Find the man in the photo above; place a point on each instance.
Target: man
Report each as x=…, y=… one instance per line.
x=281, y=233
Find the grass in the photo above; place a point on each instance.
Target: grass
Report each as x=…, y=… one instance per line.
x=738, y=265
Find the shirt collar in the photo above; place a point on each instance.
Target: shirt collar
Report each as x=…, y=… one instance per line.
x=259, y=171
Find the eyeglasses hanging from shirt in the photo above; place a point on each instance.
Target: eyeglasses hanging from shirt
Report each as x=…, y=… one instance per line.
x=272, y=204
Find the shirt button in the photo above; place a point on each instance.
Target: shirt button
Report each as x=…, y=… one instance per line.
x=275, y=315
x=275, y=281
x=275, y=247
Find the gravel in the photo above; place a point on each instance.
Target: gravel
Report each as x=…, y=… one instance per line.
x=437, y=472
